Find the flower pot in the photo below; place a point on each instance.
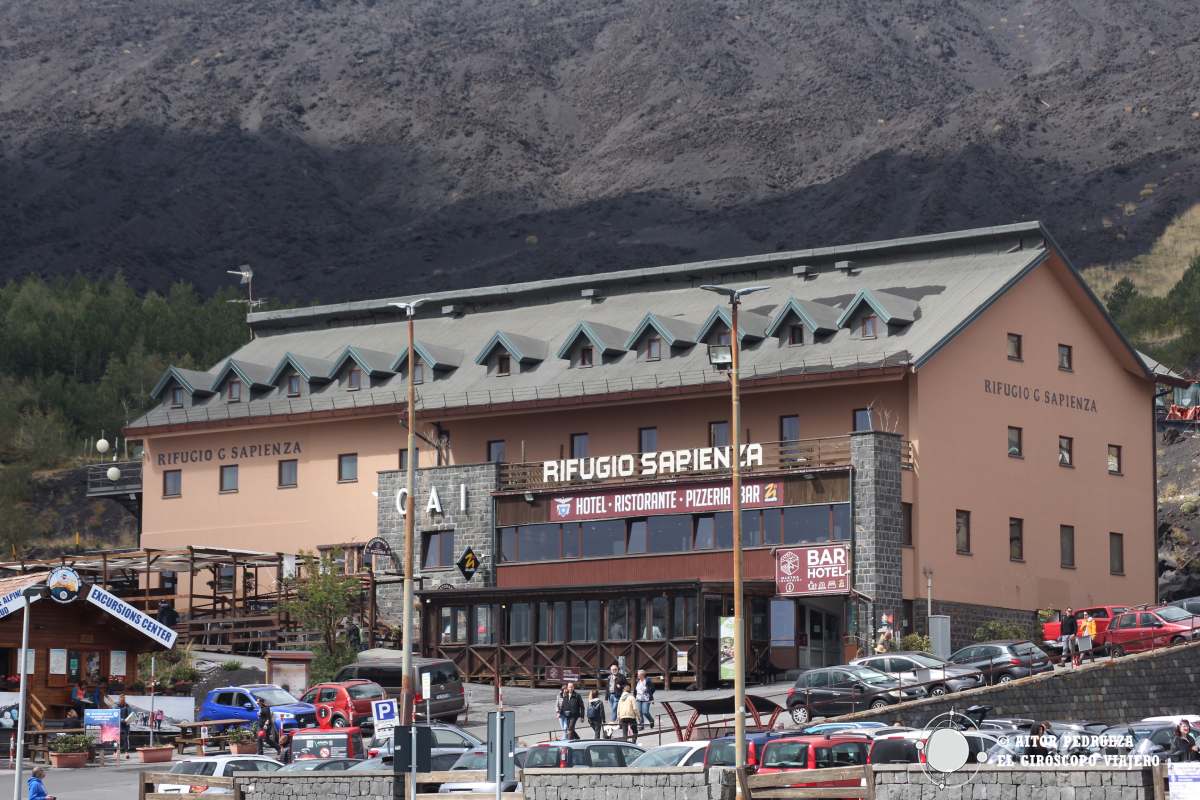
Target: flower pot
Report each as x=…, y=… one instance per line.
x=158, y=754
x=68, y=760
x=243, y=748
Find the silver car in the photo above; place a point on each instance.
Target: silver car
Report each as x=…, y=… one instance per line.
x=476, y=759
x=910, y=667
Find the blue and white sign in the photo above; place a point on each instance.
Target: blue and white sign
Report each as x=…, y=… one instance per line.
x=1183, y=778
x=12, y=602
x=385, y=713
x=131, y=616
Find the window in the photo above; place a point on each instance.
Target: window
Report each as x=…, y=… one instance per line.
x=585, y=355
x=795, y=335
x=618, y=620
x=789, y=428
x=1066, y=447
x=637, y=536
x=684, y=623
x=1065, y=358
x=862, y=419
x=1015, y=445
x=585, y=620
x=520, y=624
x=654, y=618
x=229, y=478
x=1014, y=347
x=438, y=552
x=233, y=391
x=347, y=467
x=906, y=534
x=669, y=533
x=962, y=532
x=484, y=628
x=570, y=540
x=579, y=445
x=418, y=374
x=1016, y=539
x=403, y=460
x=452, y=625
x=870, y=324
x=603, y=538
x=172, y=483
x=225, y=578
x=705, y=532
x=354, y=379
x=647, y=440
x=718, y=434
x=288, y=472
x=552, y=622
x=538, y=542
x=495, y=451
x=722, y=337
x=503, y=364
x=1116, y=553
x=293, y=386
x=802, y=524
x=1114, y=459
x=1066, y=545
x=653, y=347
x=176, y=397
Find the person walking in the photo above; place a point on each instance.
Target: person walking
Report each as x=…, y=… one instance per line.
x=627, y=715
x=615, y=683
x=595, y=713
x=265, y=728
x=1086, y=637
x=123, y=711
x=560, y=712
x=1067, y=635
x=1183, y=744
x=572, y=710
x=1039, y=748
x=37, y=789
x=644, y=694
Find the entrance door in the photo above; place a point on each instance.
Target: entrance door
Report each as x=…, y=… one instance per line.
x=784, y=654
x=710, y=627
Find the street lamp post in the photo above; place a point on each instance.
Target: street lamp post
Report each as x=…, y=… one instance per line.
x=409, y=713
x=29, y=594
x=739, y=619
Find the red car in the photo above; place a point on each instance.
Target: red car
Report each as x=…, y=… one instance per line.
x=326, y=743
x=341, y=705
x=798, y=753
x=1103, y=615
x=1143, y=629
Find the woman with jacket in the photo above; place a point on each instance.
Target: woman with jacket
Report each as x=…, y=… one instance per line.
x=1183, y=746
x=572, y=710
x=595, y=713
x=627, y=713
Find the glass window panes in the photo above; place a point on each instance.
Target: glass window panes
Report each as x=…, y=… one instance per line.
x=718, y=434
x=684, y=622
x=654, y=618
x=618, y=620
x=1066, y=545
x=603, y=538
x=234, y=391
x=288, y=472
x=759, y=618
x=1014, y=346
x=585, y=355
x=869, y=325
x=552, y=622
x=805, y=524
x=1114, y=459
x=585, y=620
x=418, y=375
x=579, y=445
x=503, y=364
x=172, y=483
x=647, y=440
x=348, y=467
x=669, y=534
x=570, y=540
x=1065, y=357
x=1014, y=442
x=795, y=335
x=1016, y=539
x=439, y=549
x=772, y=525
x=177, y=397
x=906, y=535
x=783, y=623
x=538, y=542
x=229, y=478
x=789, y=428
x=495, y=451
x=1066, y=447
x=705, y=532
x=962, y=531
x=637, y=536
x=862, y=419
x=508, y=544
x=483, y=628
x=1116, y=553
x=520, y=623
x=293, y=386
x=653, y=348
x=841, y=522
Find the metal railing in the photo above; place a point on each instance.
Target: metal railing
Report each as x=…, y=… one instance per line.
x=129, y=480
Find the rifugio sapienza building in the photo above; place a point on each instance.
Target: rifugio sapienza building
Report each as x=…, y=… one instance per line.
x=957, y=409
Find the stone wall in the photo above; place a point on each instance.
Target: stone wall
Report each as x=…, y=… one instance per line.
x=471, y=522
x=966, y=617
x=663, y=783
x=878, y=520
x=1029, y=783
x=316, y=785
x=1163, y=681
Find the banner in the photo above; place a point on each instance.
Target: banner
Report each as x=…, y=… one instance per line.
x=13, y=601
x=685, y=498
x=1183, y=780
x=813, y=570
x=131, y=616
x=726, y=652
x=103, y=723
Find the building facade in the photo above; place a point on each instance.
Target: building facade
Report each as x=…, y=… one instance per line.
x=957, y=411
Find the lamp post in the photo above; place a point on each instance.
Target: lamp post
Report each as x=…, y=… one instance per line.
x=716, y=356
x=29, y=594
x=409, y=713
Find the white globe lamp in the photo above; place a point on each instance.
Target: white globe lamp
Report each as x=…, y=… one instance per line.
x=113, y=474
x=102, y=446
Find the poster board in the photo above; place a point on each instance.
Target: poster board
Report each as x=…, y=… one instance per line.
x=1183, y=778
x=103, y=724
x=117, y=663
x=726, y=655
x=58, y=661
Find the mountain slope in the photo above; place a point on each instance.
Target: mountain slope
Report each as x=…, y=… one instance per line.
x=351, y=148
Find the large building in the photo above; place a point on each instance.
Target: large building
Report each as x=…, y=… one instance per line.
x=957, y=410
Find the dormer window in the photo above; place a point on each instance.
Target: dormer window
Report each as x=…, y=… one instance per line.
x=177, y=397
x=722, y=337
x=354, y=379
x=653, y=347
x=418, y=375
x=795, y=335
x=586, y=354
x=233, y=391
x=293, y=386
x=503, y=364
x=870, y=326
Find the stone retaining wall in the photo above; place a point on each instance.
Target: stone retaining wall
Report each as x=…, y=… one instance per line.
x=323, y=785
x=1030, y=783
x=663, y=783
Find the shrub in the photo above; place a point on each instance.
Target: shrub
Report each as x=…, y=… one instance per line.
x=71, y=743
x=1001, y=629
x=1188, y=507
x=241, y=735
x=916, y=641
x=233, y=665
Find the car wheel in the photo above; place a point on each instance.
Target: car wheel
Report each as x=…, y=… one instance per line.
x=938, y=691
x=1117, y=651
x=1005, y=678
x=1177, y=640
x=338, y=722
x=800, y=715
x=878, y=704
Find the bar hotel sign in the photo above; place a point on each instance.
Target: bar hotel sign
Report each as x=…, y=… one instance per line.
x=813, y=570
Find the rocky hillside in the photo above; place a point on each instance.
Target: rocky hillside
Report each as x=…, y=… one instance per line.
x=1179, y=515
x=64, y=520
x=348, y=148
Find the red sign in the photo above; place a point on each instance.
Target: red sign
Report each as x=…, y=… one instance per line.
x=816, y=569
x=652, y=500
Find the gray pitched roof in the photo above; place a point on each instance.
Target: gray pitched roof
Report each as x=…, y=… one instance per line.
x=605, y=338
x=432, y=355
x=253, y=374
x=952, y=278
x=192, y=380
x=817, y=317
x=309, y=367
x=1162, y=372
x=891, y=308
x=375, y=362
x=752, y=325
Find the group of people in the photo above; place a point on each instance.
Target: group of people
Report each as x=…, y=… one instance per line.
x=98, y=698
x=1077, y=637
x=628, y=705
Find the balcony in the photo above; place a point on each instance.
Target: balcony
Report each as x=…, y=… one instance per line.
x=128, y=482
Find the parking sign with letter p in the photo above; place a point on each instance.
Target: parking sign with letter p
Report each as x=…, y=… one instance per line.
x=385, y=714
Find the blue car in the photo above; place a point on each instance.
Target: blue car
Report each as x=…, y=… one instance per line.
x=241, y=702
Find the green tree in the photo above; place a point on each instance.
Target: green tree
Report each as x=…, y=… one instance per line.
x=1118, y=299
x=1002, y=629
x=321, y=599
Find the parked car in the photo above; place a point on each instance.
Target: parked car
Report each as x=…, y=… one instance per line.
x=907, y=747
x=241, y=702
x=193, y=772
x=438, y=762
x=446, y=739
x=720, y=752
x=831, y=691
x=384, y=667
x=832, y=727
x=582, y=753
x=936, y=675
x=340, y=705
x=1148, y=738
x=320, y=765
x=1138, y=630
x=1004, y=660
x=681, y=754
x=1103, y=615
x=798, y=753
x=1189, y=604
x=476, y=759
x=326, y=743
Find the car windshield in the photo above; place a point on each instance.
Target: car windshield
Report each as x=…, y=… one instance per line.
x=471, y=760
x=542, y=757
x=1173, y=614
x=1027, y=649
x=194, y=768
x=667, y=756
x=870, y=676
x=305, y=765
x=786, y=755
x=274, y=697
x=925, y=660
x=720, y=754
x=365, y=691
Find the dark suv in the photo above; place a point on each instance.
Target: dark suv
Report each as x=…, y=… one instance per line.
x=1005, y=660
x=832, y=691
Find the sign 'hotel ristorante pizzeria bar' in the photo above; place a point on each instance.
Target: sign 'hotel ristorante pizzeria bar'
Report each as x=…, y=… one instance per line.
x=681, y=499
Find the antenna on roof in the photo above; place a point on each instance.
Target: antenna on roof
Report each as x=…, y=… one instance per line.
x=246, y=274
